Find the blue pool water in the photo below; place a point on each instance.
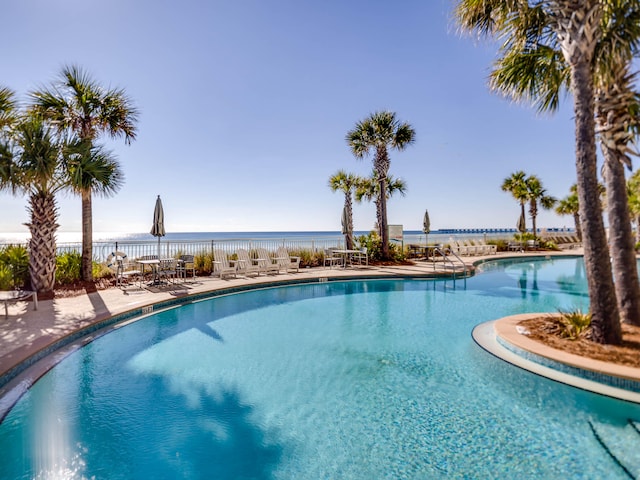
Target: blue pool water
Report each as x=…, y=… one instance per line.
x=344, y=380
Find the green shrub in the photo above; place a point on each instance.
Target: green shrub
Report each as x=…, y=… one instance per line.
x=68, y=267
x=501, y=244
x=6, y=277
x=373, y=242
x=308, y=258
x=574, y=323
x=14, y=259
x=203, y=262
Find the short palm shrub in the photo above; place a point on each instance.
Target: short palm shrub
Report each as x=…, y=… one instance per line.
x=574, y=323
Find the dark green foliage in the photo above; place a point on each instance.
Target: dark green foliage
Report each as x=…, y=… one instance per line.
x=14, y=267
x=373, y=242
x=68, y=267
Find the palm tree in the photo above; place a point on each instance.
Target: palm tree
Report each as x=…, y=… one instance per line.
x=368, y=189
x=516, y=184
x=346, y=183
x=569, y=205
x=536, y=193
x=379, y=132
x=616, y=119
x=34, y=166
x=93, y=170
x=541, y=73
x=76, y=103
x=571, y=27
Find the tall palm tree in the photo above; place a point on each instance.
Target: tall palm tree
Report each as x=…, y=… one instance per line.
x=571, y=27
x=34, y=166
x=346, y=183
x=616, y=119
x=516, y=184
x=77, y=103
x=379, y=132
x=537, y=194
x=540, y=74
x=569, y=205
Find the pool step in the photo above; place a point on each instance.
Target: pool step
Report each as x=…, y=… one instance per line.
x=621, y=442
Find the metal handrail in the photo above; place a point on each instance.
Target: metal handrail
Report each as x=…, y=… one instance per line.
x=443, y=253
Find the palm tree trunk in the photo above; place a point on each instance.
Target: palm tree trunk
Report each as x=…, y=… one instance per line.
x=87, y=237
x=381, y=165
x=578, y=227
x=348, y=205
x=522, y=208
x=623, y=255
x=533, y=211
x=42, y=245
x=605, y=319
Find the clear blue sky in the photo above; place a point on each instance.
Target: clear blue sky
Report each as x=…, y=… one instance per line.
x=245, y=105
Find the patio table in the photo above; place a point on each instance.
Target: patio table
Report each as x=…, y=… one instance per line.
x=346, y=255
x=12, y=296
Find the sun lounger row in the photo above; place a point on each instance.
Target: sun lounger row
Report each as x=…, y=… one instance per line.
x=466, y=247
x=223, y=266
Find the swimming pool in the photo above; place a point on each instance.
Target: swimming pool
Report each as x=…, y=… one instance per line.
x=367, y=379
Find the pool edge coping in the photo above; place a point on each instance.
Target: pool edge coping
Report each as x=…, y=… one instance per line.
x=501, y=339
x=108, y=321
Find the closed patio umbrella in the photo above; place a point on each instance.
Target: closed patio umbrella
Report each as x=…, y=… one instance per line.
x=157, y=229
x=426, y=225
x=522, y=225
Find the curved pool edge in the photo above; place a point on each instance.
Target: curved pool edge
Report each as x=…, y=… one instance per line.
x=501, y=339
x=17, y=379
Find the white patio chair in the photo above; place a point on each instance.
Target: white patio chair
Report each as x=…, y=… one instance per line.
x=123, y=269
x=488, y=248
x=331, y=259
x=361, y=256
x=222, y=266
x=287, y=262
x=266, y=263
x=247, y=265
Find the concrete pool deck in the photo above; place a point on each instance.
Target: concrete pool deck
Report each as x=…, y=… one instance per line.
x=27, y=332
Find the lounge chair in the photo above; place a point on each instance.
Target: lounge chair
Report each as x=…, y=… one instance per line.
x=472, y=249
x=246, y=264
x=487, y=248
x=266, y=263
x=222, y=266
x=287, y=262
